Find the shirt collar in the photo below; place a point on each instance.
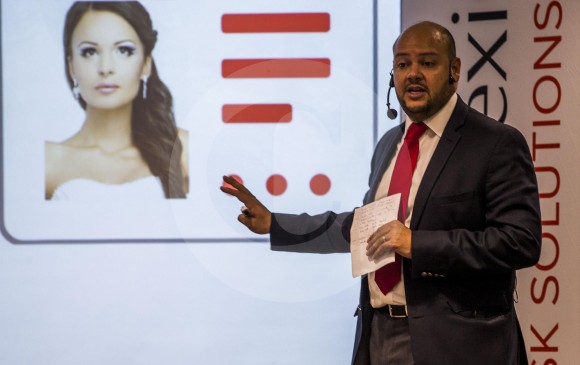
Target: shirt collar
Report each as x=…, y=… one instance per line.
x=438, y=121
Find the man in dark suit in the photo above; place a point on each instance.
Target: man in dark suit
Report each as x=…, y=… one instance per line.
x=471, y=219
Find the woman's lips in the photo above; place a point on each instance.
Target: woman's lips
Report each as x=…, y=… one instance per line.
x=107, y=88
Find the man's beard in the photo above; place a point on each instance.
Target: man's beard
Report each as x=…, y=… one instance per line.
x=430, y=108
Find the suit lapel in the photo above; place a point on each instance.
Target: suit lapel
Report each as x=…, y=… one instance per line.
x=445, y=147
x=385, y=152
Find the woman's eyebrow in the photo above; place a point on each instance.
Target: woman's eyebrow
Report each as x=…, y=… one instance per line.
x=91, y=43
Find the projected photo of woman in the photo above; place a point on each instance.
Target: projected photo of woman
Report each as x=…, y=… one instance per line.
x=128, y=145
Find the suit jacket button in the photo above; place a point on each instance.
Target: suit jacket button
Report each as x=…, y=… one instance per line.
x=424, y=274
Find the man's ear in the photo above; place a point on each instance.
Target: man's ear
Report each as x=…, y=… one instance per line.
x=455, y=69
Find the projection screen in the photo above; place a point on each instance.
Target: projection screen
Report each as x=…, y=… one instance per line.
x=286, y=96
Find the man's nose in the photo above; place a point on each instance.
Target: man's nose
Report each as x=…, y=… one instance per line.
x=414, y=72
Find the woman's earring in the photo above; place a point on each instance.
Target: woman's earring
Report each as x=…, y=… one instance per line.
x=144, y=79
x=75, y=89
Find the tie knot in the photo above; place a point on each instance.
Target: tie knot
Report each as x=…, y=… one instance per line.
x=415, y=131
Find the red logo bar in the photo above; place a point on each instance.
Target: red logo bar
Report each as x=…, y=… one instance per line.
x=276, y=67
x=257, y=113
x=276, y=23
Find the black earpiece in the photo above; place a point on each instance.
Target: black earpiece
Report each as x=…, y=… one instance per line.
x=451, y=78
x=391, y=113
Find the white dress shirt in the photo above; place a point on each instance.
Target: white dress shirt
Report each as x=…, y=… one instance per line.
x=427, y=144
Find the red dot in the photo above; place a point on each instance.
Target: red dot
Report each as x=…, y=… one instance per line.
x=320, y=184
x=235, y=177
x=276, y=184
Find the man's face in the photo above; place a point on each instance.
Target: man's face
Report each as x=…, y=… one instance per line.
x=421, y=70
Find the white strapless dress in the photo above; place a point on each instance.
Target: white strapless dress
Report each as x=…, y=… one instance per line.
x=84, y=189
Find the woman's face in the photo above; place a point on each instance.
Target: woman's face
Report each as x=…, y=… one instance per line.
x=107, y=60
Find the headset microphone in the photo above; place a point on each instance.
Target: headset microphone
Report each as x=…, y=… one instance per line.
x=391, y=113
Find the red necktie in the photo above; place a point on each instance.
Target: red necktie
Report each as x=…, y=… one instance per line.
x=388, y=276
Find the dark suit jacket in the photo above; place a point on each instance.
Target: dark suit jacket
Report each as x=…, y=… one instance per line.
x=476, y=219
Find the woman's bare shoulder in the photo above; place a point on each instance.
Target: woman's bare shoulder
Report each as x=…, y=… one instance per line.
x=183, y=135
x=57, y=153
x=55, y=149
x=184, y=138
x=57, y=158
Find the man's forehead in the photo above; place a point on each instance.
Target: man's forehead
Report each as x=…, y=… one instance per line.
x=418, y=53
x=423, y=30
x=420, y=40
